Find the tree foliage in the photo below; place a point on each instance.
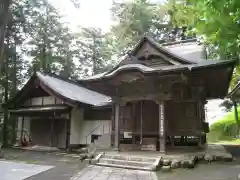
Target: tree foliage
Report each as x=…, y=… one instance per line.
x=225, y=128
x=216, y=21
x=141, y=17
x=95, y=50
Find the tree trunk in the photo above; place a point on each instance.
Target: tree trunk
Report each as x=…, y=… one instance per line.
x=94, y=59
x=4, y=7
x=236, y=115
x=13, y=92
x=5, y=112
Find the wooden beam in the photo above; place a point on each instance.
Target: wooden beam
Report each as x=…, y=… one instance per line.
x=153, y=97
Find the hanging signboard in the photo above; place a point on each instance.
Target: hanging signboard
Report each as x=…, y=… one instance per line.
x=161, y=119
x=127, y=135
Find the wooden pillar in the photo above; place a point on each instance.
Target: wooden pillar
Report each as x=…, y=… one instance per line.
x=117, y=127
x=162, y=133
x=51, y=131
x=22, y=128
x=141, y=122
x=113, y=126
x=68, y=129
x=133, y=123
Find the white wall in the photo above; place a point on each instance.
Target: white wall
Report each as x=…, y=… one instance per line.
x=102, y=127
x=45, y=100
x=80, y=128
x=76, y=123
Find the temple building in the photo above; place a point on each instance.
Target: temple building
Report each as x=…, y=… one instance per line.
x=152, y=100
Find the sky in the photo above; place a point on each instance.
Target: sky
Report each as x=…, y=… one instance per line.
x=96, y=13
x=91, y=13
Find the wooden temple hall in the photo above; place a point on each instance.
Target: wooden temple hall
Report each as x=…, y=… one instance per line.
x=152, y=100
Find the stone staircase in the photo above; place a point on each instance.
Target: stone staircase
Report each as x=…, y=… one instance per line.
x=128, y=162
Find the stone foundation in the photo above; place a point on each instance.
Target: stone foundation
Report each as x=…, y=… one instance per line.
x=210, y=154
x=169, y=161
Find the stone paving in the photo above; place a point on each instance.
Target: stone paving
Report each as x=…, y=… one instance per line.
x=106, y=173
x=20, y=171
x=215, y=171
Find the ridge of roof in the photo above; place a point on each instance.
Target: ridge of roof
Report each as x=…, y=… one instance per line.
x=162, y=49
x=179, y=42
x=53, y=75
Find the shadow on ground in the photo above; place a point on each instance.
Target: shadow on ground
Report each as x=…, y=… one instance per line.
x=234, y=150
x=66, y=165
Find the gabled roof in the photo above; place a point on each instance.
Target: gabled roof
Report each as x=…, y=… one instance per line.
x=67, y=90
x=188, y=54
x=163, y=49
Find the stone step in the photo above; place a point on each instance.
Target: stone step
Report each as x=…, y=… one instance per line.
x=130, y=158
x=126, y=167
x=125, y=163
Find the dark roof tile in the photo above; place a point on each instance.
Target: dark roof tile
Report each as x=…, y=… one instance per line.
x=73, y=91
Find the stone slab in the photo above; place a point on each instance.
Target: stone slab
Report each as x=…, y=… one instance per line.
x=20, y=171
x=107, y=173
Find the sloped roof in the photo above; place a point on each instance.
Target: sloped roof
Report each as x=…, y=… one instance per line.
x=68, y=90
x=163, y=69
x=74, y=91
x=191, y=51
x=188, y=52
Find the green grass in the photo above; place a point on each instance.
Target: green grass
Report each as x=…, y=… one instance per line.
x=229, y=142
x=224, y=130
